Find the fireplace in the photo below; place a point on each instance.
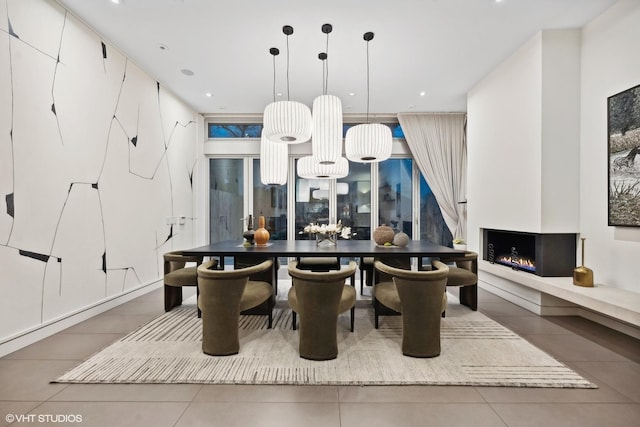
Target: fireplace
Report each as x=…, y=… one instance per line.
x=549, y=254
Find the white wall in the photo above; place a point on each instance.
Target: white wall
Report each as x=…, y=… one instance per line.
x=94, y=156
x=522, y=121
x=503, y=145
x=523, y=140
x=610, y=64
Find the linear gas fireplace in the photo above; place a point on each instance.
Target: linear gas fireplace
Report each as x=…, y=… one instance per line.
x=540, y=254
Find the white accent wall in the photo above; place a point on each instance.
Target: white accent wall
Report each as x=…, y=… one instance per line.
x=610, y=64
x=537, y=140
x=95, y=156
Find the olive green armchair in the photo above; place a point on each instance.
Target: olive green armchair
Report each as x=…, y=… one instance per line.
x=223, y=295
x=318, y=298
x=418, y=296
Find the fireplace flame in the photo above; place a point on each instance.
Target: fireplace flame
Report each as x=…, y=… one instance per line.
x=521, y=262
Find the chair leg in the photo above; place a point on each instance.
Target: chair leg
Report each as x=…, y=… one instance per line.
x=353, y=314
x=270, y=308
x=361, y=278
x=172, y=297
x=197, y=299
x=469, y=296
x=294, y=320
x=375, y=313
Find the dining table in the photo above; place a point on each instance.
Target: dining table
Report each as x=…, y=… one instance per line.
x=344, y=248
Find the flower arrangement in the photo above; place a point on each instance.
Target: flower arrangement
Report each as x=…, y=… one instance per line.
x=459, y=241
x=329, y=229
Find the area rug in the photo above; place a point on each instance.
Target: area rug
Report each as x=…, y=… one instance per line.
x=476, y=351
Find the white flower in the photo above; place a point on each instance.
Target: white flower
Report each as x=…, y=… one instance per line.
x=345, y=232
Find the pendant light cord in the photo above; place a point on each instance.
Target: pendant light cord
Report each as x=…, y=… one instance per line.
x=367, y=81
x=274, y=78
x=368, y=36
x=274, y=51
x=288, y=68
x=326, y=67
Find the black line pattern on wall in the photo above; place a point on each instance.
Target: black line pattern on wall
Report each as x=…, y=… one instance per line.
x=64, y=214
x=55, y=74
x=9, y=198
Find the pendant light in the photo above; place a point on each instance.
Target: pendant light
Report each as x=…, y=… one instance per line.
x=287, y=121
x=370, y=142
x=308, y=168
x=274, y=161
x=274, y=157
x=326, y=142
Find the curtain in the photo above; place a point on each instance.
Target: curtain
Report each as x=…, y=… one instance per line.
x=438, y=144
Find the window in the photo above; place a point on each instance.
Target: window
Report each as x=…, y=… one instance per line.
x=432, y=225
x=354, y=200
x=393, y=190
x=226, y=199
x=227, y=130
x=270, y=201
x=394, y=194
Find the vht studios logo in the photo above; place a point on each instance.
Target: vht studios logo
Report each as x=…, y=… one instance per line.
x=43, y=418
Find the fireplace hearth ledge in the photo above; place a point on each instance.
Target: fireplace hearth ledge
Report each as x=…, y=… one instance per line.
x=615, y=308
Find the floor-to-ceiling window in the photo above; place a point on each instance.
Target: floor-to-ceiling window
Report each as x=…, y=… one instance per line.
x=270, y=201
x=312, y=204
x=392, y=190
x=395, y=194
x=432, y=225
x=354, y=200
x=226, y=199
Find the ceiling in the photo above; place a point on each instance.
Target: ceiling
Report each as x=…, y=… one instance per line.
x=425, y=55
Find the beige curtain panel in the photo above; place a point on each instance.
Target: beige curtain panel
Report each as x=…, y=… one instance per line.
x=438, y=144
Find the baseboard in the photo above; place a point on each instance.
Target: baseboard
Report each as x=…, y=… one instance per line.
x=30, y=336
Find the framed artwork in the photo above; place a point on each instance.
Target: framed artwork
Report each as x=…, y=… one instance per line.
x=624, y=158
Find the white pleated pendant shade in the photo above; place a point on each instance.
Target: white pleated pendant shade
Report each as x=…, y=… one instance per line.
x=274, y=161
x=287, y=122
x=310, y=169
x=368, y=143
x=326, y=142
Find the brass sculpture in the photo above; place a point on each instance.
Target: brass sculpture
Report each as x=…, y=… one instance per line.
x=583, y=276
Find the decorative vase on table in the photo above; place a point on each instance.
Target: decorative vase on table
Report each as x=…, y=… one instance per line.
x=249, y=235
x=261, y=235
x=383, y=234
x=324, y=240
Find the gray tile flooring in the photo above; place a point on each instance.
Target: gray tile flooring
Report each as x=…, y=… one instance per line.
x=605, y=357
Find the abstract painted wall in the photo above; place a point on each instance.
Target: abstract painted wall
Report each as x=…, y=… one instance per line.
x=94, y=157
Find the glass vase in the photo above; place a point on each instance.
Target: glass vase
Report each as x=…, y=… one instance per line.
x=326, y=239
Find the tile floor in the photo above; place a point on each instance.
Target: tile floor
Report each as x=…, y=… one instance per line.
x=605, y=357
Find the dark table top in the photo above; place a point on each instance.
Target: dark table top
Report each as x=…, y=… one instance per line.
x=307, y=248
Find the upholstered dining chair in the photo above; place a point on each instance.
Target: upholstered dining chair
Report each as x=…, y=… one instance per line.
x=223, y=295
x=418, y=297
x=463, y=272
x=318, y=298
x=320, y=264
x=177, y=275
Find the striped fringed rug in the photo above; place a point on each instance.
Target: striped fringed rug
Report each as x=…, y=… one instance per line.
x=475, y=351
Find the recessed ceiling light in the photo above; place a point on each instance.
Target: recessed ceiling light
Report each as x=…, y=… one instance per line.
x=352, y=94
x=208, y=94
x=117, y=1
x=279, y=94
x=187, y=72
x=423, y=93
